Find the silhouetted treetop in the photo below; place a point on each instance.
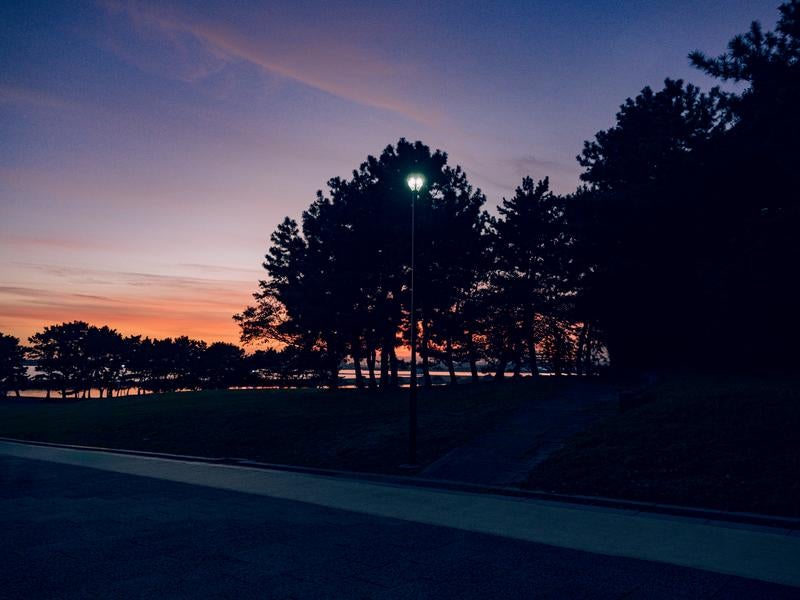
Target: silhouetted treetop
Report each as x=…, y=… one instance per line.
x=654, y=131
x=756, y=56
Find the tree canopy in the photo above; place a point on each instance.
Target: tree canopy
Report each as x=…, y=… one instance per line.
x=676, y=251
x=339, y=282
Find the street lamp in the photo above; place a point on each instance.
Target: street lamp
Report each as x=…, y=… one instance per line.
x=415, y=182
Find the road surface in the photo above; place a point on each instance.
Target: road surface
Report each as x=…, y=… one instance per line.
x=70, y=531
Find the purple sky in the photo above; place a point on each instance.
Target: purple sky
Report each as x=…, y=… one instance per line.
x=148, y=149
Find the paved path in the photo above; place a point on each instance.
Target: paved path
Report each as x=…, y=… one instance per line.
x=509, y=452
x=138, y=527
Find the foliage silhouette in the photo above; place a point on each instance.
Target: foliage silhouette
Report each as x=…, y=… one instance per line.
x=676, y=252
x=338, y=283
x=13, y=374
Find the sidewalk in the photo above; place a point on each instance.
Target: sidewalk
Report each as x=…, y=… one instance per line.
x=509, y=452
x=766, y=554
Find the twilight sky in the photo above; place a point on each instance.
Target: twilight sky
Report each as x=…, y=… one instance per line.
x=148, y=149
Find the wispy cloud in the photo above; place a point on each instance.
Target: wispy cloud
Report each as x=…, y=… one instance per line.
x=218, y=268
x=24, y=96
x=536, y=167
x=319, y=59
x=134, y=302
x=133, y=278
x=17, y=241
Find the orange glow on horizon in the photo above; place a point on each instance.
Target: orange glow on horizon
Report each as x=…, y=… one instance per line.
x=168, y=321
x=147, y=305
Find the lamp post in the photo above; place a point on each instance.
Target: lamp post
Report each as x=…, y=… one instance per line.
x=415, y=182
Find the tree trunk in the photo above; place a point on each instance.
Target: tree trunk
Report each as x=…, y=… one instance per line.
x=384, y=368
x=426, y=368
x=500, y=371
x=579, y=352
x=16, y=393
x=393, y=364
x=450, y=366
x=357, y=364
x=371, y=368
x=534, y=363
x=473, y=362
x=582, y=355
x=334, y=383
x=47, y=395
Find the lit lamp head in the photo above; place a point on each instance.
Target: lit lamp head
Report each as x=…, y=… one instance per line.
x=415, y=182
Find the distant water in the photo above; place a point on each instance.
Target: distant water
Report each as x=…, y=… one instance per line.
x=347, y=379
x=437, y=377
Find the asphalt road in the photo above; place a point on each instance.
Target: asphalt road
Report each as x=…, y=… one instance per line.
x=75, y=532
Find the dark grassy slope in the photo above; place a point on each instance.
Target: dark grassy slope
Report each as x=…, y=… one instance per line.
x=346, y=429
x=731, y=443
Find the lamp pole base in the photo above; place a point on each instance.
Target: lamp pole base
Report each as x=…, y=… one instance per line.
x=409, y=467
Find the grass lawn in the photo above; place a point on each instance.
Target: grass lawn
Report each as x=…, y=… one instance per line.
x=345, y=429
x=731, y=443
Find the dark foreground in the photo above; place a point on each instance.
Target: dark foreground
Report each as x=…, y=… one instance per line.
x=728, y=442
x=72, y=532
x=347, y=429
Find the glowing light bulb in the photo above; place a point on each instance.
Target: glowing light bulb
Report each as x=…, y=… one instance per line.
x=415, y=182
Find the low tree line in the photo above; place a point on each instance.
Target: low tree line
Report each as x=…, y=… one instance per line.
x=73, y=359
x=77, y=359
x=677, y=251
